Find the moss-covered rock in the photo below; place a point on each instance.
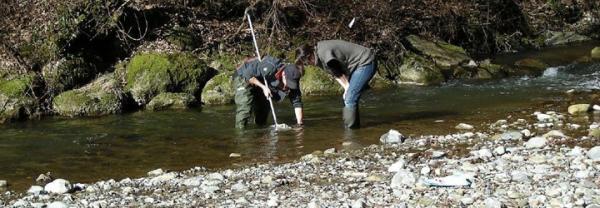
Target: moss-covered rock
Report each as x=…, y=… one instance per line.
x=171, y=101
x=150, y=74
x=380, y=82
x=529, y=66
x=445, y=55
x=18, y=85
x=317, y=82
x=219, y=90
x=488, y=70
x=416, y=69
x=595, y=54
x=103, y=96
x=16, y=96
x=554, y=38
x=67, y=73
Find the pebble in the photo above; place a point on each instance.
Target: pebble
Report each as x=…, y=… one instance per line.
x=437, y=154
x=272, y=202
x=578, y=109
x=397, y=166
x=359, y=203
x=499, y=150
x=156, y=172
x=329, y=151
x=594, y=153
x=35, y=190
x=464, y=126
x=536, y=142
x=3, y=183
x=57, y=204
x=235, y=155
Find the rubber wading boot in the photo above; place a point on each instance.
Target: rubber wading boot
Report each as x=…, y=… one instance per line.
x=351, y=118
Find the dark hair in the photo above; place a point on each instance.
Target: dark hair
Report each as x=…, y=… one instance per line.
x=303, y=53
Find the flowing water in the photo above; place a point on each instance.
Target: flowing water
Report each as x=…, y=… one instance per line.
x=119, y=146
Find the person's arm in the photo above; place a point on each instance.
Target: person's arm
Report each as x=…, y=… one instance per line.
x=299, y=116
x=265, y=89
x=343, y=81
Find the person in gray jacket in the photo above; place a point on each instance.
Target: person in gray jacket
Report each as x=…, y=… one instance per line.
x=352, y=65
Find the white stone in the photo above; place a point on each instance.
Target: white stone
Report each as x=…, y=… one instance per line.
x=437, y=154
x=272, y=202
x=35, y=190
x=3, y=183
x=359, y=203
x=582, y=174
x=239, y=187
x=215, y=176
x=403, y=178
x=156, y=172
x=594, y=153
x=464, y=126
x=392, y=137
x=536, y=142
x=519, y=176
x=163, y=178
x=58, y=186
x=553, y=191
x=57, y=204
x=596, y=107
x=397, y=166
x=543, y=117
x=554, y=134
x=492, y=203
x=499, y=150
x=467, y=200
x=511, y=136
x=329, y=151
x=575, y=152
x=149, y=200
x=235, y=155
x=425, y=170
x=484, y=153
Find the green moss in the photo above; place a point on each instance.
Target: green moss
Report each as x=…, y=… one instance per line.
x=317, y=82
x=219, y=89
x=171, y=101
x=68, y=73
x=149, y=74
x=18, y=86
x=443, y=54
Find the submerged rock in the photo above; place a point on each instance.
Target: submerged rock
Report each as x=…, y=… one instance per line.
x=103, y=96
x=595, y=53
x=579, y=109
x=171, y=101
x=219, y=89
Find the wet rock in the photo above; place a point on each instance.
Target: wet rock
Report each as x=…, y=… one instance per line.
x=58, y=186
x=3, y=184
x=488, y=70
x=392, y=137
x=464, y=126
x=595, y=53
x=219, y=89
x=103, y=96
x=329, y=151
x=594, y=153
x=531, y=66
x=44, y=178
x=168, y=100
x=536, y=142
x=156, y=172
x=149, y=74
x=579, y=109
x=556, y=38
x=235, y=155
x=403, y=178
x=57, y=205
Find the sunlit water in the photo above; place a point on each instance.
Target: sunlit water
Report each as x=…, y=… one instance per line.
x=85, y=150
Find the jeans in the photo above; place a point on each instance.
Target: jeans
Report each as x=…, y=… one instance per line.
x=358, y=80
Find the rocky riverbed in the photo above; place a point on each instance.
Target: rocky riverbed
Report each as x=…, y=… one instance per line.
x=535, y=161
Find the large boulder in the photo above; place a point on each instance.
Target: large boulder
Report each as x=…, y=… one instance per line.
x=595, y=53
x=554, y=38
x=416, y=69
x=16, y=100
x=219, y=89
x=67, y=73
x=171, y=101
x=317, y=82
x=149, y=74
x=103, y=96
x=443, y=54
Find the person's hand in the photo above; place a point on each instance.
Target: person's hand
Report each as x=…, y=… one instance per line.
x=267, y=92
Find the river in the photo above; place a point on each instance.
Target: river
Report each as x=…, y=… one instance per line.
x=129, y=145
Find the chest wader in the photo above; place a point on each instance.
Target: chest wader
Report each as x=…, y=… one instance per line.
x=249, y=100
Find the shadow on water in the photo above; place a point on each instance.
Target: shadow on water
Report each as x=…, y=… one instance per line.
x=119, y=146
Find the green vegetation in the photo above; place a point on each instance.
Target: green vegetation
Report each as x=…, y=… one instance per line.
x=18, y=86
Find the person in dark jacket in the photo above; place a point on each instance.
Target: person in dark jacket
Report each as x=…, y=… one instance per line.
x=251, y=92
x=350, y=64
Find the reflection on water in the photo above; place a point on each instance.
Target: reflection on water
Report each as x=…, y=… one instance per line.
x=85, y=150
